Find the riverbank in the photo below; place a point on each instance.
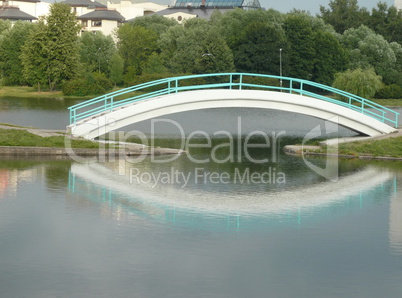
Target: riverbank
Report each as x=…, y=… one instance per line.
x=24, y=141
x=31, y=92
x=386, y=147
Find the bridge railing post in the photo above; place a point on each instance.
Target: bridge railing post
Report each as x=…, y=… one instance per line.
x=291, y=86
x=240, y=81
x=72, y=116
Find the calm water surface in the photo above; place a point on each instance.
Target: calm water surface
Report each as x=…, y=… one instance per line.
x=108, y=229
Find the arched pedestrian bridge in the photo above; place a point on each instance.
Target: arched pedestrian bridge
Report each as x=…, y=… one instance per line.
x=112, y=111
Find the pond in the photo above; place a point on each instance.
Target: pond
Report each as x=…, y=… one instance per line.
x=201, y=224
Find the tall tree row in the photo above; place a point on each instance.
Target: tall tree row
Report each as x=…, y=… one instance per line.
x=51, y=52
x=342, y=38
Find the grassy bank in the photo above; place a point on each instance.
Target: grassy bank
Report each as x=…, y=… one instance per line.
x=17, y=137
x=391, y=147
x=25, y=91
x=32, y=92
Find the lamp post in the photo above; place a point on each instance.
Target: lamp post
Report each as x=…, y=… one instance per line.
x=280, y=67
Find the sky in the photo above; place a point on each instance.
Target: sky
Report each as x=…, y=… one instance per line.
x=313, y=5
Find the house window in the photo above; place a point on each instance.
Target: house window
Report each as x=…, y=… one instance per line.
x=84, y=24
x=96, y=23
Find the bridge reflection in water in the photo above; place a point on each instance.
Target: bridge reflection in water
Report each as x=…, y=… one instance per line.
x=216, y=211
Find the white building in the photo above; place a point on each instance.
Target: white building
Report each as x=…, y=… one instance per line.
x=27, y=6
x=398, y=4
x=81, y=7
x=102, y=15
x=101, y=19
x=25, y=10
x=130, y=9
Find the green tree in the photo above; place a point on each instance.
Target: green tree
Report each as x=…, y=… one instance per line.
x=370, y=50
x=315, y=47
x=96, y=51
x=330, y=59
x=387, y=22
x=395, y=75
x=344, y=14
x=135, y=45
x=232, y=23
x=196, y=48
x=51, y=52
x=155, y=23
x=11, y=42
x=258, y=49
x=4, y=25
x=364, y=83
x=255, y=38
x=155, y=65
x=302, y=51
x=116, y=69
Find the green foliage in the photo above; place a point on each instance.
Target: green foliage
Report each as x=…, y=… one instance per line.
x=92, y=84
x=390, y=92
x=238, y=40
x=96, y=50
x=344, y=14
x=4, y=25
x=232, y=23
x=136, y=44
x=387, y=22
x=330, y=59
x=195, y=48
x=364, y=83
x=148, y=77
x=155, y=76
x=302, y=53
x=258, y=49
x=154, y=22
x=155, y=65
x=11, y=42
x=116, y=69
x=259, y=81
x=368, y=49
x=51, y=52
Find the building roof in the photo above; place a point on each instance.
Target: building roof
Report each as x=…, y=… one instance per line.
x=205, y=8
x=102, y=14
x=33, y=1
x=254, y=4
x=83, y=3
x=198, y=12
x=14, y=13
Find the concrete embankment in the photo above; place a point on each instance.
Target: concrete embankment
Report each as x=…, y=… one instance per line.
x=63, y=152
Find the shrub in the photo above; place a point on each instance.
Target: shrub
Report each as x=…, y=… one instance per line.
x=95, y=84
x=390, y=92
x=361, y=82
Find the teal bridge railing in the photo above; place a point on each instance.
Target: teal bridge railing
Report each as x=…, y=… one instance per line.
x=108, y=102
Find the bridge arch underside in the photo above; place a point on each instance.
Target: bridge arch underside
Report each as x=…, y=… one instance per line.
x=207, y=99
